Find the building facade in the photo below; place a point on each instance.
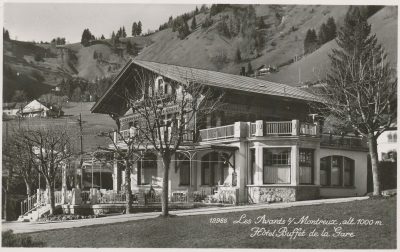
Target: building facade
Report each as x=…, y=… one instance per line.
x=260, y=146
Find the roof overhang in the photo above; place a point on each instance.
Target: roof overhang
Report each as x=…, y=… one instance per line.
x=110, y=102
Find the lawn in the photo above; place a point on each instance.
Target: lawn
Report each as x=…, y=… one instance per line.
x=198, y=232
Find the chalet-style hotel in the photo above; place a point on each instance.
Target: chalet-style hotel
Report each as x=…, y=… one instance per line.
x=262, y=145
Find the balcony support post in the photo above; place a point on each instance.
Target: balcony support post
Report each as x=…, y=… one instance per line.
x=294, y=166
x=259, y=128
x=295, y=127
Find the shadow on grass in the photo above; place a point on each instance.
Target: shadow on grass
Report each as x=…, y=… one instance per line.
x=9, y=239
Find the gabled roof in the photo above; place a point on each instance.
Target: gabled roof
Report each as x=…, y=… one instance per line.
x=224, y=80
x=212, y=78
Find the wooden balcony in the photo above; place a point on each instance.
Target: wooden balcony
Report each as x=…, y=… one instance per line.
x=267, y=129
x=217, y=133
x=125, y=134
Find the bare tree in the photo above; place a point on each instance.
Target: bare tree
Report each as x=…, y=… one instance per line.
x=361, y=89
x=50, y=149
x=130, y=149
x=20, y=158
x=167, y=112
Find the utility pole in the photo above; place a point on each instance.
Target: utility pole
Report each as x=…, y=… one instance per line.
x=81, y=153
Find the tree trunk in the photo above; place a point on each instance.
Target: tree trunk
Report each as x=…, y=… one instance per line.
x=5, y=208
x=50, y=189
x=128, y=190
x=164, y=198
x=372, y=145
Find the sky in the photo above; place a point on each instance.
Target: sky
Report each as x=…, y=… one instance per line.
x=45, y=21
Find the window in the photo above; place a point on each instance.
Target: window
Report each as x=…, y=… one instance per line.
x=209, y=164
x=213, y=169
x=336, y=168
x=348, y=171
x=184, y=170
x=147, y=169
x=306, y=164
x=337, y=171
x=276, y=166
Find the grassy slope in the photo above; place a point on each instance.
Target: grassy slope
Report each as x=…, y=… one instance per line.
x=198, y=232
x=202, y=44
x=93, y=124
x=19, y=56
x=314, y=66
x=33, y=76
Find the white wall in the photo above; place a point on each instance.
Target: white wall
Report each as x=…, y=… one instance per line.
x=384, y=146
x=360, y=174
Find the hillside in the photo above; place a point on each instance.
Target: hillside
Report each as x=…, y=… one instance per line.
x=284, y=41
x=37, y=68
x=283, y=38
x=314, y=66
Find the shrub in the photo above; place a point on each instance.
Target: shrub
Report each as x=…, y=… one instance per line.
x=9, y=239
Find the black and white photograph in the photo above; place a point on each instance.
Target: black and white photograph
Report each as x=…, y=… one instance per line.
x=199, y=124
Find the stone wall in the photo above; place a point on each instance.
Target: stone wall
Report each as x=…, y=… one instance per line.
x=269, y=194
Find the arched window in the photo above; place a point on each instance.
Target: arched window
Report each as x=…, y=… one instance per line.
x=147, y=169
x=336, y=171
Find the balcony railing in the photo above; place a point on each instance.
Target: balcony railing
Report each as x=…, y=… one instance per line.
x=342, y=141
x=278, y=128
x=308, y=129
x=216, y=133
x=125, y=134
x=246, y=129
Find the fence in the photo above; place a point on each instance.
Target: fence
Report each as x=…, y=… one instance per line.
x=110, y=197
x=29, y=204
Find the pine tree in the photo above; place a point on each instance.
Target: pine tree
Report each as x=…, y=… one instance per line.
x=323, y=34
x=361, y=87
x=139, y=28
x=134, y=28
x=183, y=29
x=194, y=24
x=196, y=11
x=331, y=27
x=102, y=36
x=123, y=32
x=113, y=37
x=310, y=41
x=6, y=35
x=86, y=37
